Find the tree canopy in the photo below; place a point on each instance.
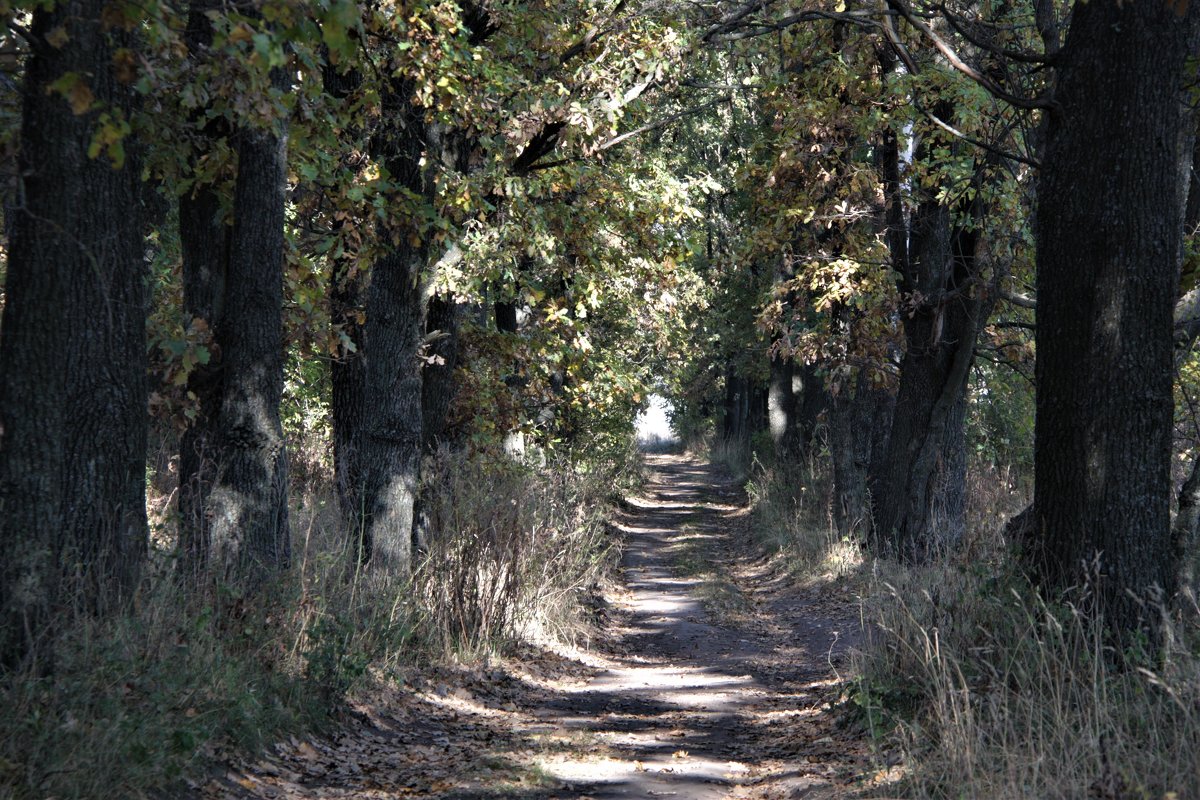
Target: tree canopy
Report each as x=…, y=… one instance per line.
x=399, y=227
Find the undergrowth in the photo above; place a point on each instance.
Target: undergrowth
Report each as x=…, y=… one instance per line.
x=734, y=455
x=789, y=506
x=990, y=691
x=983, y=688
x=513, y=560
x=139, y=701
x=994, y=693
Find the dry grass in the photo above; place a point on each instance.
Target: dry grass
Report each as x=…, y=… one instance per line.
x=993, y=693
x=996, y=694
x=140, y=700
x=790, y=515
x=735, y=456
x=511, y=551
x=986, y=690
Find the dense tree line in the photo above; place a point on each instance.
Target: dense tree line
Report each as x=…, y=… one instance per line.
x=471, y=225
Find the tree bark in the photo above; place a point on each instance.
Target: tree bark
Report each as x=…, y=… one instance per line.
x=855, y=439
x=1185, y=529
x=781, y=409
x=251, y=490
x=1107, y=252
x=233, y=465
x=437, y=373
x=814, y=400
x=920, y=500
x=348, y=382
x=347, y=293
x=204, y=244
x=386, y=457
x=73, y=388
x=388, y=450
x=735, y=427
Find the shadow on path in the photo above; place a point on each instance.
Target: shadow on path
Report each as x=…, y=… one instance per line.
x=678, y=700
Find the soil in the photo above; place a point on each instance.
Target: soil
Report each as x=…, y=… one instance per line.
x=715, y=674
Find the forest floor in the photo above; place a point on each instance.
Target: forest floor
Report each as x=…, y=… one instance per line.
x=713, y=674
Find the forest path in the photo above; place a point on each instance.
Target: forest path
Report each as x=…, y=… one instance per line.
x=713, y=678
x=720, y=681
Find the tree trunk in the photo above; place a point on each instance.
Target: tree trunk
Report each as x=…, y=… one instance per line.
x=348, y=379
x=390, y=447
x=920, y=499
x=389, y=444
x=881, y=430
x=741, y=400
x=204, y=244
x=347, y=290
x=437, y=373
x=782, y=409
x=1108, y=244
x=855, y=439
x=250, y=498
x=233, y=465
x=756, y=408
x=1185, y=529
x=814, y=400
x=506, y=317
x=73, y=389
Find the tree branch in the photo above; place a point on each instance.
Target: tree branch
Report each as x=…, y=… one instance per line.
x=1018, y=299
x=955, y=61
x=1019, y=56
x=617, y=140
x=589, y=37
x=971, y=140
x=865, y=19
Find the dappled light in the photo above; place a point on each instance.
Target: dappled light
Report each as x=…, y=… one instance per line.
x=676, y=699
x=598, y=399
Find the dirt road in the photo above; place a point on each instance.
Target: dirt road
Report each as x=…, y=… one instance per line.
x=713, y=679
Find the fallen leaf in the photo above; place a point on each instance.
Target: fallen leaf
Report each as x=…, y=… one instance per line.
x=307, y=751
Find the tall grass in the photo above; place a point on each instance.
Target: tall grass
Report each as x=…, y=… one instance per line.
x=734, y=455
x=509, y=554
x=991, y=692
x=988, y=691
x=996, y=694
x=140, y=700
x=790, y=514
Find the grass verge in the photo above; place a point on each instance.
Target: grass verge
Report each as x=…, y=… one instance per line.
x=989, y=691
x=142, y=701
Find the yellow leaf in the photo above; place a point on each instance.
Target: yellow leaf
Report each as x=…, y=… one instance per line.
x=80, y=97
x=57, y=37
x=241, y=33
